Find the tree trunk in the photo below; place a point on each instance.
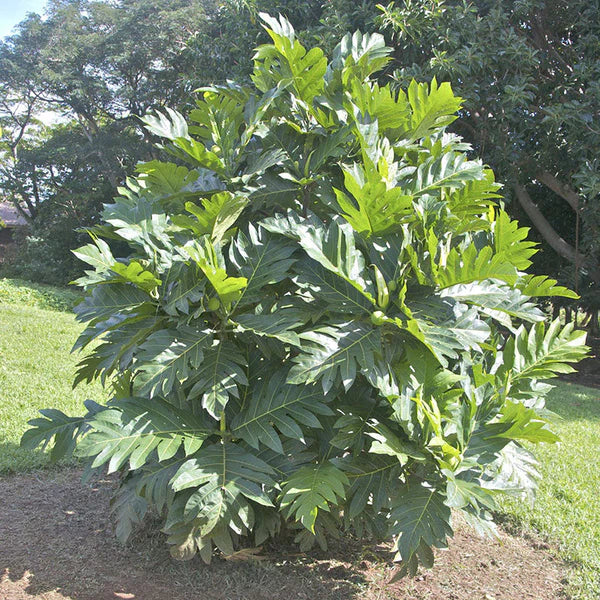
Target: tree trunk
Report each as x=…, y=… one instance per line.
x=559, y=245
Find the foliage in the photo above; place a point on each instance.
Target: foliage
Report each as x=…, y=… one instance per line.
x=528, y=73
x=283, y=356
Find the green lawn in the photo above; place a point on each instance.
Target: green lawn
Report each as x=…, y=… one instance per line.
x=26, y=293
x=36, y=371
x=567, y=507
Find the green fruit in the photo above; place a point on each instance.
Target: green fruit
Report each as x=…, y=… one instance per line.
x=392, y=285
x=214, y=304
x=377, y=317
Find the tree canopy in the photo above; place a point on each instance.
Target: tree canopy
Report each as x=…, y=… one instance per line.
x=527, y=71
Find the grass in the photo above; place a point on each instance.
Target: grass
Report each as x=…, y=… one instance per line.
x=36, y=371
x=567, y=508
x=26, y=293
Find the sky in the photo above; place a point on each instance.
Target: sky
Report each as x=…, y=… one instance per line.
x=14, y=11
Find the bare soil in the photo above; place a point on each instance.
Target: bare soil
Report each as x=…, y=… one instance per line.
x=56, y=543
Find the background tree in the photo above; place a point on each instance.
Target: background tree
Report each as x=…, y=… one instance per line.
x=528, y=72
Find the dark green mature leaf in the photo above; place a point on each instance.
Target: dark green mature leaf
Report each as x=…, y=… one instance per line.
x=168, y=357
x=312, y=489
x=107, y=300
x=420, y=520
x=338, y=350
x=54, y=425
x=217, y=376
x=333, y=247
x=183, y=286
x=131, y=429
x=276, y=409
x=279, y=324
x=261, y=259
x=227, y=467
x=373, y=480
x=128, y=509
x=326, y=286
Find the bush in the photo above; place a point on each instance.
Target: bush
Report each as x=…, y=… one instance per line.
x=324, y=325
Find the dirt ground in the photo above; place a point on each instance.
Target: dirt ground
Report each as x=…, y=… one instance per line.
x=56, y=543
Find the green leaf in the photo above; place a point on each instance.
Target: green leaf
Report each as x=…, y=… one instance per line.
x=493, y=298
x=261, y=259
x=127, y=509
x=229, y=289
x=432, y=107
x=449, y=171
x=372, y=482
x=333, y=247
x=304, y=70
x=379, y=210
x=106, y=301
x=311, y=489
x=166, y=179
x=390, y=444
x=279, y=324
x=515, y=472
x=171, y=125
x=54, y=424
x=136, y=274
x=541, y=353
x=542, y=286
x=420, y=519
x=224, y=467
x=510, y=241
x=169, y=357
x=183, y=286
x=336, y=350
x=98, y=255
x=217, y=376
x=475, y=264
x=133, y=428
x=217, y=215
x=279, y=409
x=517, y=422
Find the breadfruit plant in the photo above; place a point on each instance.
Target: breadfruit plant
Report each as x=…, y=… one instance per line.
x=323, y=322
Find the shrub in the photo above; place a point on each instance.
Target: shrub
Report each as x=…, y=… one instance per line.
x=324, y=324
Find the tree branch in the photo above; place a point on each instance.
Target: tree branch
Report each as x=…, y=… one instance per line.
x=559, y=188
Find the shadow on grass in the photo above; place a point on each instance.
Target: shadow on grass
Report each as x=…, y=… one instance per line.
x=573, y=402
x=14, y=459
